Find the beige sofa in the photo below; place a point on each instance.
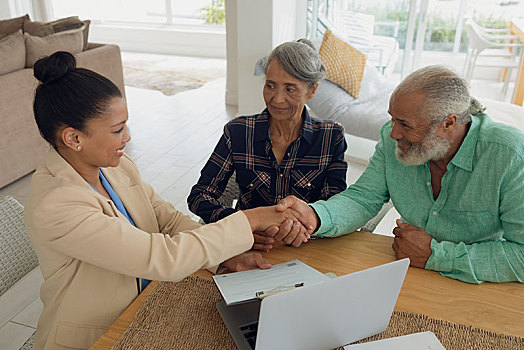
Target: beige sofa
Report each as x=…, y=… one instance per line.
x=21, y=146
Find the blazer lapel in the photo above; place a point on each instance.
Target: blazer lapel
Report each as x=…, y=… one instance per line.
x=135, y=200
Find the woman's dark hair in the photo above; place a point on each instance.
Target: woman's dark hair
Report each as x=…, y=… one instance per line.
x=68, y=96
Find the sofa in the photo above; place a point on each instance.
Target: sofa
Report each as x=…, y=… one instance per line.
x=21, y=146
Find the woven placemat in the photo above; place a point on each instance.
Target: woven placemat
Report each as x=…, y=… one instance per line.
x=183, y=315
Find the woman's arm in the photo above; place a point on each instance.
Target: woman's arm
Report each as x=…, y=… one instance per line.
x=203, y=199
x=335, y=180
x=76, y=225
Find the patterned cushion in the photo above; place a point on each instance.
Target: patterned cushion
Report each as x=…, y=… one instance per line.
x=17, y=257
x=345, y=64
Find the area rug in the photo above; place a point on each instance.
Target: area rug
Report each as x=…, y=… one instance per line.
x=169, y=74
x=168, y=82
x=183, y=316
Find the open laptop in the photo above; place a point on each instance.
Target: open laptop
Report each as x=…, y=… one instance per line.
x=325, y=315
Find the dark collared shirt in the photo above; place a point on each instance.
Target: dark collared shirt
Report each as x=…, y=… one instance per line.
x=313, y=167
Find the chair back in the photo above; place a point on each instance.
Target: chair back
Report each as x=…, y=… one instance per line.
x=17, y=256
x=476, y=38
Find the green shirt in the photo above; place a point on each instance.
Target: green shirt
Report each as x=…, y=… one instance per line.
x=477, y=221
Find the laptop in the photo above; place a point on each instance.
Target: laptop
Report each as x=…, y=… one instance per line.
x=325, y=315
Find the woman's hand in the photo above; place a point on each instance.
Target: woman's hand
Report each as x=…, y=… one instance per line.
x=263, y=221
x=246, y=261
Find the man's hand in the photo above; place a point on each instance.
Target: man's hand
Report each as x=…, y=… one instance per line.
x=412, y=242
x=299, y=209
x=246, y=261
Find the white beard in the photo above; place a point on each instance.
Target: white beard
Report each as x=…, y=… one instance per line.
x=430, y=148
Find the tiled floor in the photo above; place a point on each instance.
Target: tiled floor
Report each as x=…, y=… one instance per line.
x=172, y=137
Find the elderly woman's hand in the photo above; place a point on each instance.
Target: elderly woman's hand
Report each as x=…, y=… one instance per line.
x=287, y=233
x=264, y=240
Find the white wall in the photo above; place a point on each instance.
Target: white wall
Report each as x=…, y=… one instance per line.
x=254, y=28
x=5, y=11
x=232, y=53
x=15, y=8
x=189, y=41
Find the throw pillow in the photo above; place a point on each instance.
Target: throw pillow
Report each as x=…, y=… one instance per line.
x=345, y=64
x=65, y=24
x=12, y=53
x=37, y=47
x=12, y=25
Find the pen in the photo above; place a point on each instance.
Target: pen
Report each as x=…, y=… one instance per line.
x=261, y=295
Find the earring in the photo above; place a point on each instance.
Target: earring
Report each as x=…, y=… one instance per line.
x=78, y=148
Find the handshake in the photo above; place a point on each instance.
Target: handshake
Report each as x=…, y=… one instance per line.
x=291, y=221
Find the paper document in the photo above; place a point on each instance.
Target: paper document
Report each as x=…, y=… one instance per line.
x=416, y=341
x=238, y=287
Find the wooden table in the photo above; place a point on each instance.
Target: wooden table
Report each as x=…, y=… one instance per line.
x=492, y=306
x=517, y=27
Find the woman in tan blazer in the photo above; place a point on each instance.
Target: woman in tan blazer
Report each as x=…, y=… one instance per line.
x=98, y=229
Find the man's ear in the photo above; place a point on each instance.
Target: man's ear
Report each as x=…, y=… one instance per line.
x=70, y=138
x=450, y=122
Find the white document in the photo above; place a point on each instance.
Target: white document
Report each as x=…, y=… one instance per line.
x=416, y=341
x=238, y=287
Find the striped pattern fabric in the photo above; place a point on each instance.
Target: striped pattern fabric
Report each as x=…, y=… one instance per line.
x=313, y=167
x=344, y=63
x=358, y=28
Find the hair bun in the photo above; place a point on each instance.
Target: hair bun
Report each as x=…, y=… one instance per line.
x=51, y=68
x=307, y=42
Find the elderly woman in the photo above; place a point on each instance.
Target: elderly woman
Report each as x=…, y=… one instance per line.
x=279, y=152
x=99, y=231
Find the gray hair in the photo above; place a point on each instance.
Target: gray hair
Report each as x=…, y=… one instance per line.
x=446, y=93
x=299, y=59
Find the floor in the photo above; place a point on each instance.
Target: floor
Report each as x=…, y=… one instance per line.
x=172, y=137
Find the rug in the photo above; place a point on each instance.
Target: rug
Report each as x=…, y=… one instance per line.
x=183, y=316
x=170, y=74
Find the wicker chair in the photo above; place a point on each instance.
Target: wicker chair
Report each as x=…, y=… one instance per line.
x=231, y=193
x=17, y=256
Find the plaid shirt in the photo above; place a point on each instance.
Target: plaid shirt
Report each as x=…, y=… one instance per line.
x=313, y=167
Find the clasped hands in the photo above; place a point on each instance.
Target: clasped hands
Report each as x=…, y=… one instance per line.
x=291, y=221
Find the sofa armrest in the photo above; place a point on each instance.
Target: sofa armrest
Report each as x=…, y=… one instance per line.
x=105, y=60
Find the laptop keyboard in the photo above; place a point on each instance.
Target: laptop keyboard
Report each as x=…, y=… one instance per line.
x=250, y=333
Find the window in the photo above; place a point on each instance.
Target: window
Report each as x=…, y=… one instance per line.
x=177, y=12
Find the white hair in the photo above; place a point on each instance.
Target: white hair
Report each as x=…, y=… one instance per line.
x=299, y=59
x=445, y=90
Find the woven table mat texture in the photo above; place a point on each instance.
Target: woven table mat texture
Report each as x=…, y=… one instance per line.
x=183, y=315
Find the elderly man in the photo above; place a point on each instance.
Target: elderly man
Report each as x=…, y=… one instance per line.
x=456, y=179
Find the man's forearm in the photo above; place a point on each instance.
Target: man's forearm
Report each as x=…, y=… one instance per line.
x=493, y=261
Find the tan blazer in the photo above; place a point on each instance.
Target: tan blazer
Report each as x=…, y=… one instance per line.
x=90, y=255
